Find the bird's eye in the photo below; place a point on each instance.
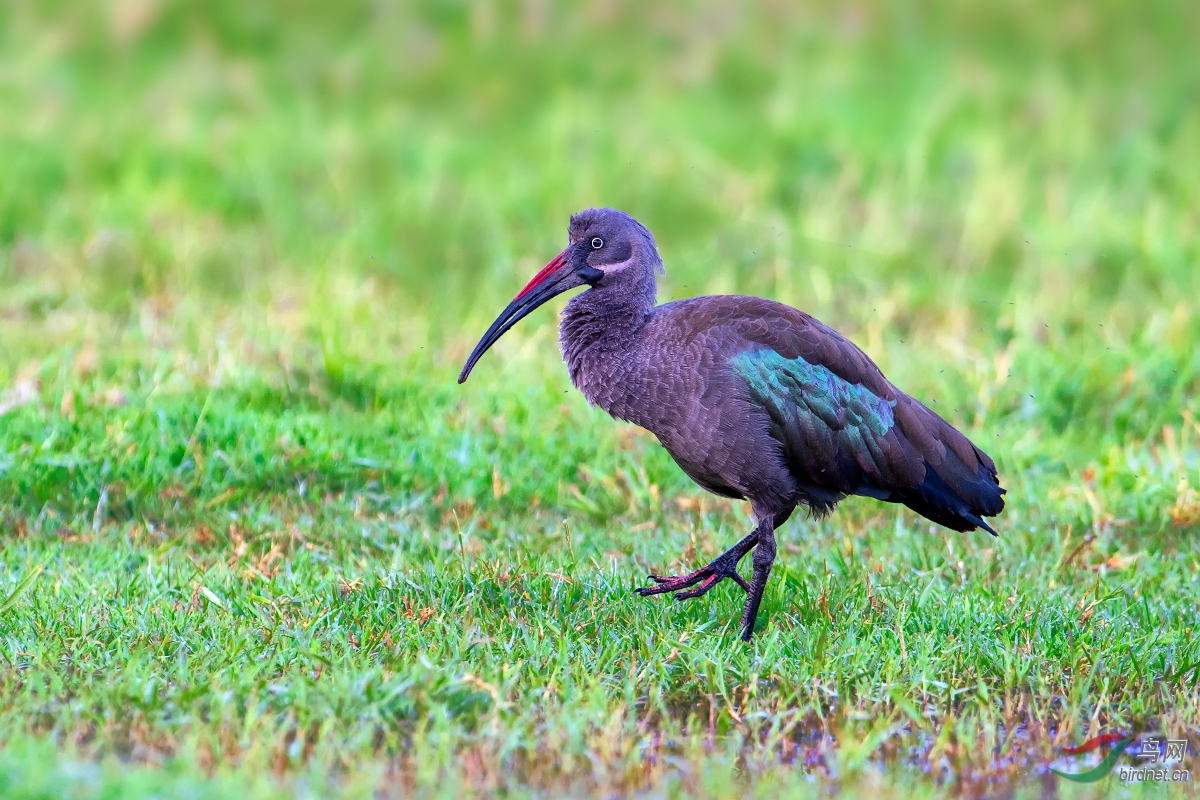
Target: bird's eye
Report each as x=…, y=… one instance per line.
x=597, y=243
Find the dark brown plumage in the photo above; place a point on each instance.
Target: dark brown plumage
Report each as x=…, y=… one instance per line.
x=752, y=398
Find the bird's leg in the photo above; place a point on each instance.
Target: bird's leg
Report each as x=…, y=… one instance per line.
x=723, y=566
x=764, y=557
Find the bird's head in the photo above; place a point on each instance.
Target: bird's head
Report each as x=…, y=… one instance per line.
x=608, y=250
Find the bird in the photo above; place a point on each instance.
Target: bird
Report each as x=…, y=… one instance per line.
x=753, y=399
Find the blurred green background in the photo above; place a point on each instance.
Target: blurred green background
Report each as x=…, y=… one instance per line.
x=411, y=163
x=244, y=248
x=971, y=192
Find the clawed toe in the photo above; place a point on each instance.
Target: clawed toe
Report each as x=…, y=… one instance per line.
x=739, y=580
x=708, y=583
x=707, y=577
x=664, y=585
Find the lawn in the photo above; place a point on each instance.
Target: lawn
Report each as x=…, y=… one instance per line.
x=257, y=542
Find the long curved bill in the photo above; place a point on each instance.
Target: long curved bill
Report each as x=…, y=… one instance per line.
x=554, y=279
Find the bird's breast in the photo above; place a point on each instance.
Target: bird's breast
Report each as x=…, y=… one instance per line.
x=659, y=387
x=617, y=384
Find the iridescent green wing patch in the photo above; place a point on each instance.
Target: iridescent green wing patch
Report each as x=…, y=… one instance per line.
x=819, y=414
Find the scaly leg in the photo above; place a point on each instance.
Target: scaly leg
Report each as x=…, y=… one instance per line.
x=764, y=557
x=723, y=566
x=761, y=540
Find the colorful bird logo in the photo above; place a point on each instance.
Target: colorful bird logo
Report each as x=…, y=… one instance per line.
x=1104, y=767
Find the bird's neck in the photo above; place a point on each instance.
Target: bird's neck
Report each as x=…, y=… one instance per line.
x=598, y=333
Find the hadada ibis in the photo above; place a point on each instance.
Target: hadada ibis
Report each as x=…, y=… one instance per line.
x=753, y=399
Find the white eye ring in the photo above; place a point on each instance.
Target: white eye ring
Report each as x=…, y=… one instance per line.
x=597, y=243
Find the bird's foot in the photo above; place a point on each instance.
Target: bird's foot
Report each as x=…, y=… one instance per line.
x=723, y=567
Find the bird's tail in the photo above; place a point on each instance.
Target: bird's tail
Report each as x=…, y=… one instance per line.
x=960, y=487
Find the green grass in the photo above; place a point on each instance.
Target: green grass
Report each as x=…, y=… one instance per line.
x=244, y=251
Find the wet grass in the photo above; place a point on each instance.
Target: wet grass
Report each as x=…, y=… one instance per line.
x=257, y=541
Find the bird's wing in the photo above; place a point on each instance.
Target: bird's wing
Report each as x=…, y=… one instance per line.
x=845, y=429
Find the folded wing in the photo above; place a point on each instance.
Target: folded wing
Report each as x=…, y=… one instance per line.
x=845, y=429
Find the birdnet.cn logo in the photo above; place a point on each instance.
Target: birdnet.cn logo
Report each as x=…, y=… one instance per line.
x=1159, y=760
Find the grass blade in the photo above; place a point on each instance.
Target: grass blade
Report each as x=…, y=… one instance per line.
x=22, y=587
